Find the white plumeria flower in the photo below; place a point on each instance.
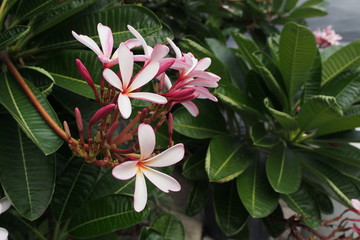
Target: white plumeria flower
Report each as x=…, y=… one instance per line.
x=4, y=205
x=127, y=84
x=142, y=166
x=355, y=204
x=107, y=43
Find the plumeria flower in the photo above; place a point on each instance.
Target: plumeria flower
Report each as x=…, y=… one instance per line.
x=326, y=37
x=141, y=167
x=355, y=204
x=127, y=85
x=4, y=205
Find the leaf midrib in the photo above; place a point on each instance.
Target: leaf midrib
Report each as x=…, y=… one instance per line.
x=227, y=160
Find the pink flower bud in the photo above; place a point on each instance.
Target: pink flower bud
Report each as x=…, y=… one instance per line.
x=79, y=121
x=84, y=73
x=102, y=112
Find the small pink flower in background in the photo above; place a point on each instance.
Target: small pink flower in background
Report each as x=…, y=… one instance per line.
x=142, y=166
x=326, y=37
x=4, y=205
x=127, y=85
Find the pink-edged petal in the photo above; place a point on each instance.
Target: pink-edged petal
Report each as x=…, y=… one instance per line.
x=175, y=48
x=104, y=59
x=167, y=82
x=159, y=52
x=203, y=64
x=126, y=170
x=165, y=64
x=133, y=43
x=112, y=78
x=124, y=105
x=140, y=58
x=205, y=94
x=147, y=140
x=106, y=39
x=4, y=205
x=202, y=74
x=3, y=234
x=126, y=63
x=168, y=157
x=356, y=204
x=146, y=96
x=140, y=194
x=87, y=42
x=162, y=181
x=191, y=107
x=203, y=83
x=144, y=76
x=180, y=65
x=141, y=39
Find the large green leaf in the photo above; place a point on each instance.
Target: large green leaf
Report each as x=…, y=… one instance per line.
x=11, y=35
x=117, y=18
x=170, y=227
x=296, y=55
x=255, y=192
x=289, y=5
x=345, y=88
x=312, y=83
x=41, y=78
x=350, y=121
x=304, y=204
x=343, y=59
x=197, y=198
x=317, y=111
x=283, y=169
x=207, y=124
x=286, y=121
x=194, y=167
x=230, y=214
x=261, y=137
x=18, y=104
x=226, y=158
x=26, y=174
x=341, y=152
x=246, y=48
x=335, y=182
x=105, y=215
x=308, y=12
x=273, y=223
x=73, y=187
x=27, y=9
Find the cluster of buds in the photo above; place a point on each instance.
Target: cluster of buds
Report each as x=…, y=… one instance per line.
x=113, y=145
x=326, y=37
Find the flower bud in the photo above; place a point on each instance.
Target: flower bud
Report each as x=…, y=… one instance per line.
x=84, y=73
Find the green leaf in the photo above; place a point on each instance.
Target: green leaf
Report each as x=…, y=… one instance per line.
x=73, y=187
x=207, y=124
x=289, y=5
x=255, y=192
x=26, y=174
x=308, y=12
x=304, y=204
x=310, y=3
x=237, y=100
x=345, y=88
x=226, y=158
x=105, y=215
x=341, y=152
x=11, y=35
x=350, y=121
x=261, y=137
x=283, y=169
x=117, y=18
x=27, y=9
x=246, y=47
x=170, y=227
x=296, y=55
x=148, y=233
x=273, y=223
x=13, y=98
x=41, y=78
x=343, y=59
x=337, y=183
x=197, y=198
x=324, y=202
x=63, y=69
x=276, y=5
x=286, y=121
x=194, y=167
x=230, y=214
x=316, y=112
x=312, y=83
x=341, y=137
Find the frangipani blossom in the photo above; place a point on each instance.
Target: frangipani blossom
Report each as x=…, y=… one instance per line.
x=4, y=205
x=326, y=37
x=141, y=167
x=127, y=85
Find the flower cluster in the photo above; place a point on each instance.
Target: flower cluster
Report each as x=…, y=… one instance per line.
x=326, y=37
x=162, y=81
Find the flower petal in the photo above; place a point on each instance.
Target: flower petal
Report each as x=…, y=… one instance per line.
x=4, y=204
x=356, y=204
x=87, y=42
x=124, y=105
x=191, y=107
x=126, y=63
x=140, y=194
x=146, y=48
x=151, y=97
x=145, y=75
x=161, y=180
x=205, y=94
x=175, y=48
x=159, y=52
x=147, y=140
x=3, y=234
x=203, y=64
x=125, y=170
x=106, y=39
x=112, y=78
x=166, y=158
